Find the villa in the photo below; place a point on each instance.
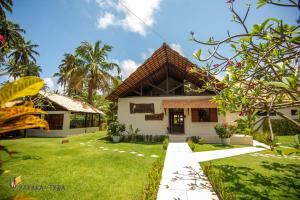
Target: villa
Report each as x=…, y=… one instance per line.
x=155, y=99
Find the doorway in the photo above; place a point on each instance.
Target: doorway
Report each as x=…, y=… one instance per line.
x=176, y=120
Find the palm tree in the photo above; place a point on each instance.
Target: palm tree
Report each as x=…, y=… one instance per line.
x=31, y=69
x=97, y=70
x=5, y=5
x=23, y=52
x=70, y=74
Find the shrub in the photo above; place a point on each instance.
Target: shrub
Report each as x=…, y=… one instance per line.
x=132, y=131
x=265, y=137
x=165, y=143
x=195, y=139
x=115, y=129
x=191, y=144
x=139, y=138
x=223, y=131
x=217, y=182
x=152, y=185
x=282, y=127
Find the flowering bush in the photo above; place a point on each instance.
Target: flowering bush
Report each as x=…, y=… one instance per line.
x=223, y=130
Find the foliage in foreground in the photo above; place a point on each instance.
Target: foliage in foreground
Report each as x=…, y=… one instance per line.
x=191, y=144
x=152, y=185
x=261, y=72
x=217, y=182
x=20, y=117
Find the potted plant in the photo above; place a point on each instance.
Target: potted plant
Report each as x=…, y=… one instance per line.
x=224, y=132
x=115, y=131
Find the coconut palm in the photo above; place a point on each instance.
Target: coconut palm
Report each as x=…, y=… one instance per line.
x=5, y=5
x=24, y=52
x=97, y=70
x=70, y=73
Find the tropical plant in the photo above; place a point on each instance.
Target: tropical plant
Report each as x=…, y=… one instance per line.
x=165, y=143
x=5, y=5
x=223, y=131
x=89, y=68
x=115, y=129
x=261, y=74
x=132, y=131
x=20, y=117
x=191, y=144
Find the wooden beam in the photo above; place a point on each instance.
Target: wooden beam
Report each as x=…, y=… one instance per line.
x=138, y=93
x=167, y=78
x=154, y=86
x=178, y=86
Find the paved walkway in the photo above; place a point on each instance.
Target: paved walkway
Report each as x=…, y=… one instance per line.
x=182, y=176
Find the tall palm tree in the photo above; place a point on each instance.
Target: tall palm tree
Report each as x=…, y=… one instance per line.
x=31, y=69
x=97, y=70
x=70, y=74
x=24, y=52
x=5, y=5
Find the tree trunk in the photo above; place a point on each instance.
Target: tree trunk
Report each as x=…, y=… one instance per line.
x=271, y=132
x=90, y=95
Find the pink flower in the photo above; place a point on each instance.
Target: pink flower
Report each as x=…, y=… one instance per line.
x=2, y=39
x=241, y=113
x=229, y=63
x=238, y=64
x=225, y=125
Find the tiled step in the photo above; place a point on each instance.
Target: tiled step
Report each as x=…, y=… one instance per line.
x=177, y=138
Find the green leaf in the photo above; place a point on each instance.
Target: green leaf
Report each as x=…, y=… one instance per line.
x=261, y=3
x=25, y=86
x=278, y=84
x=197, y=54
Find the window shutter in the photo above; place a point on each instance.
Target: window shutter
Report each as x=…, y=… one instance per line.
x=195, y=116
x=213, y=113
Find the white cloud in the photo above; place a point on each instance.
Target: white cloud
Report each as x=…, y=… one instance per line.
x=127, y=67
x=137, y=16
x=177, y=48
x=147, y=53
x=106, y=20
x=51, y=83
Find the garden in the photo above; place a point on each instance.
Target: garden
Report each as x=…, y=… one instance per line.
x=89, y=166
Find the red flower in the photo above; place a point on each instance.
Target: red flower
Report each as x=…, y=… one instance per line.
x=252, y=86
x=238, y=64
x=229, y=63
x=2, y=39
x=225, y=125
x=241, y=113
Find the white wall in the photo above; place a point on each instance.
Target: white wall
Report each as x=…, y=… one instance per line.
x=60, y=133
x=158, y=127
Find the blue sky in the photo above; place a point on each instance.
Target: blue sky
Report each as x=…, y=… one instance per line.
x=58, y=26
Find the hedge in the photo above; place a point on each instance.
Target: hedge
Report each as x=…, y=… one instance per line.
x=282, y=127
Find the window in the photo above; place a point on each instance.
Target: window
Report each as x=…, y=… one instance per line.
x=204, y=115
x=141, y=108
x=77, y=120
x=55, y=121
x=293, y=112
x=96, y=120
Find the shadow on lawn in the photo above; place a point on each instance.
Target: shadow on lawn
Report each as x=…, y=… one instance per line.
x=276, y=181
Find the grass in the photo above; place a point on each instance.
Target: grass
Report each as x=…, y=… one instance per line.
x=250, y=177
x=86, y=172
x=211, y=147
x=285, y=140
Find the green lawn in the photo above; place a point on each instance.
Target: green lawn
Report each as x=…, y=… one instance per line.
x=286, y=140
x=211, y=147
x=250, y=177
x=86, y=172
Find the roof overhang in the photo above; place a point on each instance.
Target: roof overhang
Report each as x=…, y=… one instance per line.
x=198, y=103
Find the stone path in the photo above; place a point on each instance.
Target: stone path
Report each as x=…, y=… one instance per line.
x=182, y=176
x=117, y=150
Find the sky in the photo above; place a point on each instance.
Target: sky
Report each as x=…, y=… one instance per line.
x=135, y=28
